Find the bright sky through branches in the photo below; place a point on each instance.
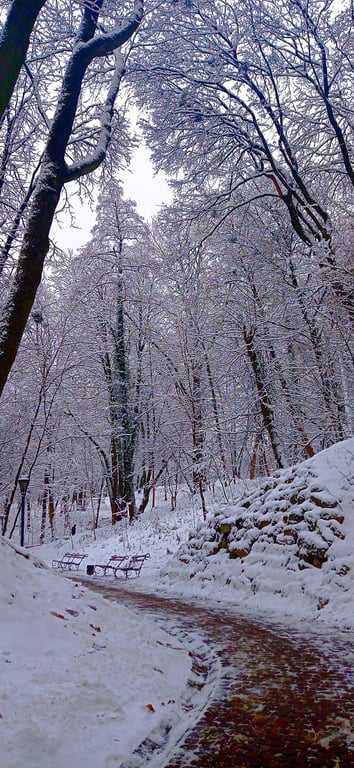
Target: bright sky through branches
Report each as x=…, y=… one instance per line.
x=147, y=189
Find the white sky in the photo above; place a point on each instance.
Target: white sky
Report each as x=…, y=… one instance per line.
x=149, y=191
x=140, y=184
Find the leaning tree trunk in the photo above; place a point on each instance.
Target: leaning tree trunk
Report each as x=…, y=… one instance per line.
x=14, y=44
x=55, y=173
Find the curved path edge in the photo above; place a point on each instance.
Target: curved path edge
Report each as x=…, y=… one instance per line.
x=156, y=749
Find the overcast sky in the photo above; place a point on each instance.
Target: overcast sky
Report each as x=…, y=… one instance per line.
x=140, y=184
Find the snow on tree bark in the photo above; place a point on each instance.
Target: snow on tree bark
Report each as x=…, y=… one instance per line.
x=54, y=174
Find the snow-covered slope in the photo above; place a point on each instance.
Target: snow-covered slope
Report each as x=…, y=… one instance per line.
x=288, y=544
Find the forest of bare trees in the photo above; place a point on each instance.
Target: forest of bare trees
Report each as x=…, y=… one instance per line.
x=214, y=342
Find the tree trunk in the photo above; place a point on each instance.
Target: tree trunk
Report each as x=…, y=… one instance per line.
x=51, y=505
x=264, y=400
x=328, y=381
x=124, y=424
x=55, y=173
x=44, y=507
x=294, y=407
x=14, y=44
x=29, y=271
x=216, y=415
x=253, y=463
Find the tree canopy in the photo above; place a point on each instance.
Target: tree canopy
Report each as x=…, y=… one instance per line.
x=215, y=341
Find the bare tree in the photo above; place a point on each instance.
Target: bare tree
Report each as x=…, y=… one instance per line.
x=259, y=107
x=55, y=172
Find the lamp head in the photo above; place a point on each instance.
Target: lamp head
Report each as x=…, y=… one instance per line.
x=23, y=483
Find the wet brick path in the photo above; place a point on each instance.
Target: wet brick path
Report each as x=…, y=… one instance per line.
x=286, y=698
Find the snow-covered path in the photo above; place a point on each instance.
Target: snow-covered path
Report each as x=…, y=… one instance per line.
x=285, y=695
x=175, y=618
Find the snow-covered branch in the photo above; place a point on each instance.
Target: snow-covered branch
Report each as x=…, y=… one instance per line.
x=90, y=164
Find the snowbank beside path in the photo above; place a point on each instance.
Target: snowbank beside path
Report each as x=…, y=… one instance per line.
x=283, y=548
x=83, y=681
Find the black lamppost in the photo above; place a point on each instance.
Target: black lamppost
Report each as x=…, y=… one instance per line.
x=23, y=483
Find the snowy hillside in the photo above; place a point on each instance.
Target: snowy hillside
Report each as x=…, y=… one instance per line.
x=287, y=545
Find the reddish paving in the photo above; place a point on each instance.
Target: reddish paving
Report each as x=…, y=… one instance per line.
x=286, y=698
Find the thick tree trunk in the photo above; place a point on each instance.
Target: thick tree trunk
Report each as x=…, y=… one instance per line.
x=29, y=271
x=14, y=43
x=123, y=422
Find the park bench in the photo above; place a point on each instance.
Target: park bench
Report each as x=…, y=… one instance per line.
x=122, y=564
x=114, y=562
x=134, y=565
x=69, y=561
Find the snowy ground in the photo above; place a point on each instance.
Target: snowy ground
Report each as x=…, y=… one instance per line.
x=83, y=681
